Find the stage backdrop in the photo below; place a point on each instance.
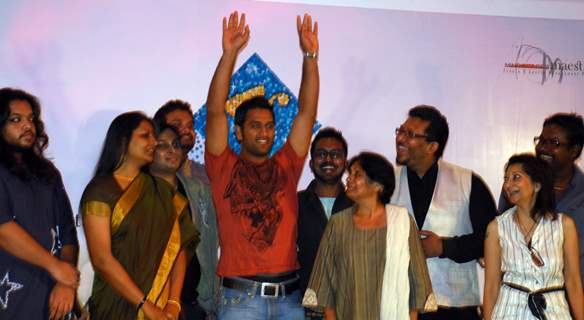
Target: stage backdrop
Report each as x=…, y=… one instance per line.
x=495, y=77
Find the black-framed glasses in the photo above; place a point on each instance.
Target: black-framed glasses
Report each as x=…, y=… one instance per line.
x=409, y=134
x=553, y=142
x=323, y=154
x=535, y=256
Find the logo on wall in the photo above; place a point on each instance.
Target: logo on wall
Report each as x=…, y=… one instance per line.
x=539, y=66
x=254, y=78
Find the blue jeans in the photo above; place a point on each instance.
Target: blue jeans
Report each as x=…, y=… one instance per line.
x=242, y=305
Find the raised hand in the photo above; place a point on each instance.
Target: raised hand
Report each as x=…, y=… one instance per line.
x=235, y=33
x=307, y=34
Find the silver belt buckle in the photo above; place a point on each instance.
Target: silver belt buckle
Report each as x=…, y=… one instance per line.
x=265, y=285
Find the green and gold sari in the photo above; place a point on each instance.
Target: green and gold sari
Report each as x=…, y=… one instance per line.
x=150, y=223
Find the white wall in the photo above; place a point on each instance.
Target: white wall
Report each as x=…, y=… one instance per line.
x=89, y=61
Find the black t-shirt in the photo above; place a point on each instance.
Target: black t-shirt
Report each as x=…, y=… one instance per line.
x=43, y=210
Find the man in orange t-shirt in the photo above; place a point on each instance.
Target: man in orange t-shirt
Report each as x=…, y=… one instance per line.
x=254, y=195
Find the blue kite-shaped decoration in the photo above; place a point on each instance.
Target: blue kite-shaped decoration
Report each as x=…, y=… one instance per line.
x=253, y=78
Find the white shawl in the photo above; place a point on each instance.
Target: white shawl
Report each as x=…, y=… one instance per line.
x=395, y=291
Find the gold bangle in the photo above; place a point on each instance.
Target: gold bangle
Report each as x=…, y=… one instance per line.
x=174, y=302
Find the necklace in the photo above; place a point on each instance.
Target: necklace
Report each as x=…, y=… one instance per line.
x=526, y=233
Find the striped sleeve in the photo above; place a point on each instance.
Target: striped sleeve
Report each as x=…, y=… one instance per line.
x=321, y=287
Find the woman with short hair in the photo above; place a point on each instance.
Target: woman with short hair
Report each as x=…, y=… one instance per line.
x=370, y=263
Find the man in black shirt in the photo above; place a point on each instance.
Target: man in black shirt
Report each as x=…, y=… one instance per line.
x=324, y=197
x=452, y=207
x=38, y=240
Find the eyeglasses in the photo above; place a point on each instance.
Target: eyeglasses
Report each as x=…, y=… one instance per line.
x=410, y=134
x=535, y=256
x=167, y=146
x=554, y=142
x=323, y=154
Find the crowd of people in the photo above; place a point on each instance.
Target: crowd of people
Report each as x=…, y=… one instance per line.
x=169, y=238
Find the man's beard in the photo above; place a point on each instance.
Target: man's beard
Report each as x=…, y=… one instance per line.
x=330, y=180
x=188, y=146
x=19, y=149
x=401, y=163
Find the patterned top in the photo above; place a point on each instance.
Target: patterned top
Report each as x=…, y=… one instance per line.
x=348, y=272
x=257, y=211
x=518, y=267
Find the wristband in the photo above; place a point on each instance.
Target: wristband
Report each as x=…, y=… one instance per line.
x=141, y=303
x=174, y=302
x=311, y=55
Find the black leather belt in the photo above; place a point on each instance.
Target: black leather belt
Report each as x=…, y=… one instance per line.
x=263, y=289
x=535, y=299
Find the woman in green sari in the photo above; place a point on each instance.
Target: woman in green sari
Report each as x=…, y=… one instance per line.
x=137, y=226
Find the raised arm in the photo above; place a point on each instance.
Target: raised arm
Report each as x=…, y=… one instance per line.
x=309, y=87
x=235, y=37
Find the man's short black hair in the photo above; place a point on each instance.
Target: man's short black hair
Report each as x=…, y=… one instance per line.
x=253, y=103
x=574, y=126
x=158, y=129
x=329, y=132
x=170, y=106
x=438, y=130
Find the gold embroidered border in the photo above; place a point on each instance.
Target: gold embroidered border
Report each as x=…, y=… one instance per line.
x=126, y=202
x=160, y=287
x=96, y=208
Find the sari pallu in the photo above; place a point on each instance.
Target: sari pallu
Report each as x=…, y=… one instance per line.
x=149, y=226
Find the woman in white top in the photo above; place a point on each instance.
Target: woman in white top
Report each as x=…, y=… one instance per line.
x=531, y=252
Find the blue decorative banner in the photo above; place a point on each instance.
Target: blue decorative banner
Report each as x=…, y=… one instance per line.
x=253, y=78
